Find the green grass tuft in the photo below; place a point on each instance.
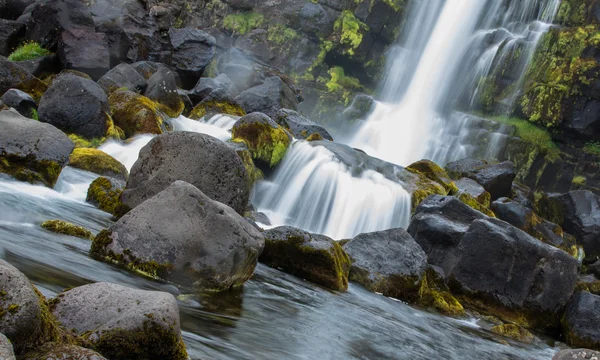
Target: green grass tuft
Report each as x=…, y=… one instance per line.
x=592, y=147
x=529, y=132
x=34, y=114
x=28, y=51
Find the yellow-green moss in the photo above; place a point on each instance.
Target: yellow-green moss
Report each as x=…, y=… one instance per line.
x=514, y=332
x=434, y=294
x=244, y=22
x=254, y=173
x=341, y=85
x=265, y=142
x=529, y=132
x=66, y=228
x=135, y=114
x=105, y=196
x=30, y=170
x=80, y=142
x=28, y=51
x=349, y=31
x=28, y=83
x=579, y=180
x=591, y=287
x=315, y=137
x=473, y=203
x=434, y=172
x=216, y=107
x=98, y=162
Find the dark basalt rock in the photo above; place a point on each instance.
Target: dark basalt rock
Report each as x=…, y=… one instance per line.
x=300, y=126
x=203, y=161
x=41, y=66
x=475, y=190
x=20, y=101
x=523, y=195
x=193, y=50
x=11, y=33
x=182, y=235
x=55, y=351
x=162, y=88
x=122, y=76
x=580, y=324
x=12, y=9
x=13, y=76
x=495, y=178
x=268, y=98
x=205, y=86
x=84, y=50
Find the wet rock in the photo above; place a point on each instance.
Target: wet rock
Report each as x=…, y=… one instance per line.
x=313, y=257
x=471, y=187
x=577, y=354
x=122, y=76
x=203, y=161
x=268, y=98
x=56, y=351
x=66, y=228
x=578, y=212
x=99, y=162
x=123, y=323
x=20, y=101
x=149, y=68
x=182, y=235
x=388, y=262
x=580, y=324
x=301, y=127
x=75, y=105
x=11, y=33
x=32, y=151
x=495, y=178
x=193, y=50
x=255, y=41
x=162, y=88
x=12, y=9
x=205, y=86
x=254, y=173
x=41, y=66
x=13, y=76
x=514, y=332
x=84, y=50
x=434, y=172
x=359, y=109
x=105, y=193
x=135, y=114
x=217, y=102
x=523, y=195
x=6, y=348
x=267, y=141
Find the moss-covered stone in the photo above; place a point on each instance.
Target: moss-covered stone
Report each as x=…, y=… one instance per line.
x=434, y=294
x=98, y=162
x=254, y=173
x=30, y=169
x=267, y=141
x=67, y=228
x=591, y=287
x=135, y=114
x=349, y=32
x=472, y=202
x=243, y=22
x=106, y=196
x=434, y=172
x=216, y=107
x=514, y=332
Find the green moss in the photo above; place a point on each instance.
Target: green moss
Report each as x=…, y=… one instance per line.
x=254, y=173
x=63, y=227
x=434, y=172
x=341, y=85
x=473, y=203
x=434, y=294
x=514, y=332
x=591, y=287
x=282, y=38
x=349, y=32
x=575, y=12
x=98, y=162
x=28, y=51
x=579, y=180
x=103, y=194
x=592, y=147
x=34, y=114
x=30, y=170
x=80, y=142
x=397, y=5
x=529, y=132
x=244, y=22
x=265, y=142
x=215, y=107
x=136, y=114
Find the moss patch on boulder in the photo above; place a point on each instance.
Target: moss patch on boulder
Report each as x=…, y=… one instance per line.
x=434, y=172
x=216, y=107
x=267, y=141
x=135, y=114
x=472, y=202
x=67, y=228
x=106, y=195
x=30, y=170
x=514, y=332
x=98, y=162
x=434, y=294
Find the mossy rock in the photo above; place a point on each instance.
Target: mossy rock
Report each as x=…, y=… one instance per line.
x=106, y=195
x=66, y=228
x=135, y=114
x=425, y=188
x=267, y=141
x=473, y=203
x=29, y=170
x=57, y=351
x=216, y=107
x=434, y=172
x=313, y=257
x=254, y=173
x=98, y=162
x=13, y=76
x=434, y=294
x=591, y=287
x=514, y=332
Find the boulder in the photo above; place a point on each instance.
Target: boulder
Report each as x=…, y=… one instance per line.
x=136, y=114
x=84, y=50
x=594, y=268
x=41, y=66
x=149, y=68
x=218, y=101
x=162, y=88
x=389, y=262
x=313, y=257
x=193, y=50
x=267, y=141
x=105, y=193
x=123, y=323
x=580, y=323
x=30, y=150
x=577, y=354
x=122, y=76
x=514, y=332
x=510, y=274
x=13, y=76
x=20, y=101
x=25, y=319
x=6, y=349
x=98, y=162
x=301, y=127
x=182, y=235
x=497, y=179
x=12, y=9
x=56, y=351
x=205, y=86
x=11, y=33
x=255, y=42
x=66, y=228
x=434, y=172
x=578, y=212
x=471, y=187
x=268, y=98
x=203, y=161
x=76, y=105
x=523, y=195
x=360, y=108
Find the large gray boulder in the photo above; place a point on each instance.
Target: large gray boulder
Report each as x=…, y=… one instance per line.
x=13, y=76
x=84, y=50
x=300, y=126
x=123, y=323
x=268, y=98
x=122, y=76
x=162, y=88
x=193, y=50
x=495, y=265
x=199, y=159
x=20, y=101
x=183, y=236
x=497, y=179
x=577, y=354
x=11, y=33
x=30, y=150
x=75, y=105
x=388, y=262
x=6, y=348
x=580, y=324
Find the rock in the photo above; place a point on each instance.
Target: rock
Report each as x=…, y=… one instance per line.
x=12, y=9
x=578, y=212
x=20, y=101
x=577, y=354
x=25, y=319
x=182, y=235
x=123, y=323
x=301, y=127
x=32, y=151
x=203, y=161
x=84, y=50
x=135, y=114
x=388, y=262
x=254, y=173
x=523, y=195
x=6, y=349
x=514, y=332
x=510, y=274
x=13, y=76
x=217, y=102
x=122, y=76
x=205, y=86
x=433, y=172
x=256, y=42
x=268, y=98
x=267, y=141
x=360, y=108
x=41, y=66
x=162, y=88
x=496, y=179
x=580, y=324
x=56, y=351
x=149, y=68
x=75, y=105
x=99, y=162
x=313, y=257
x=11, y=33
x=471, y=187
x=193, y=50
x=49, y=19
x=66, y=228
x=594, y=268
x=105, y=193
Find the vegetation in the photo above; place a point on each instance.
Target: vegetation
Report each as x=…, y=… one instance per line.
x=592, y=147
x=244, y=22
x=529, y=132
x=341, y=85
x=66, y=228
x=349, y=31
x=28, y=51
